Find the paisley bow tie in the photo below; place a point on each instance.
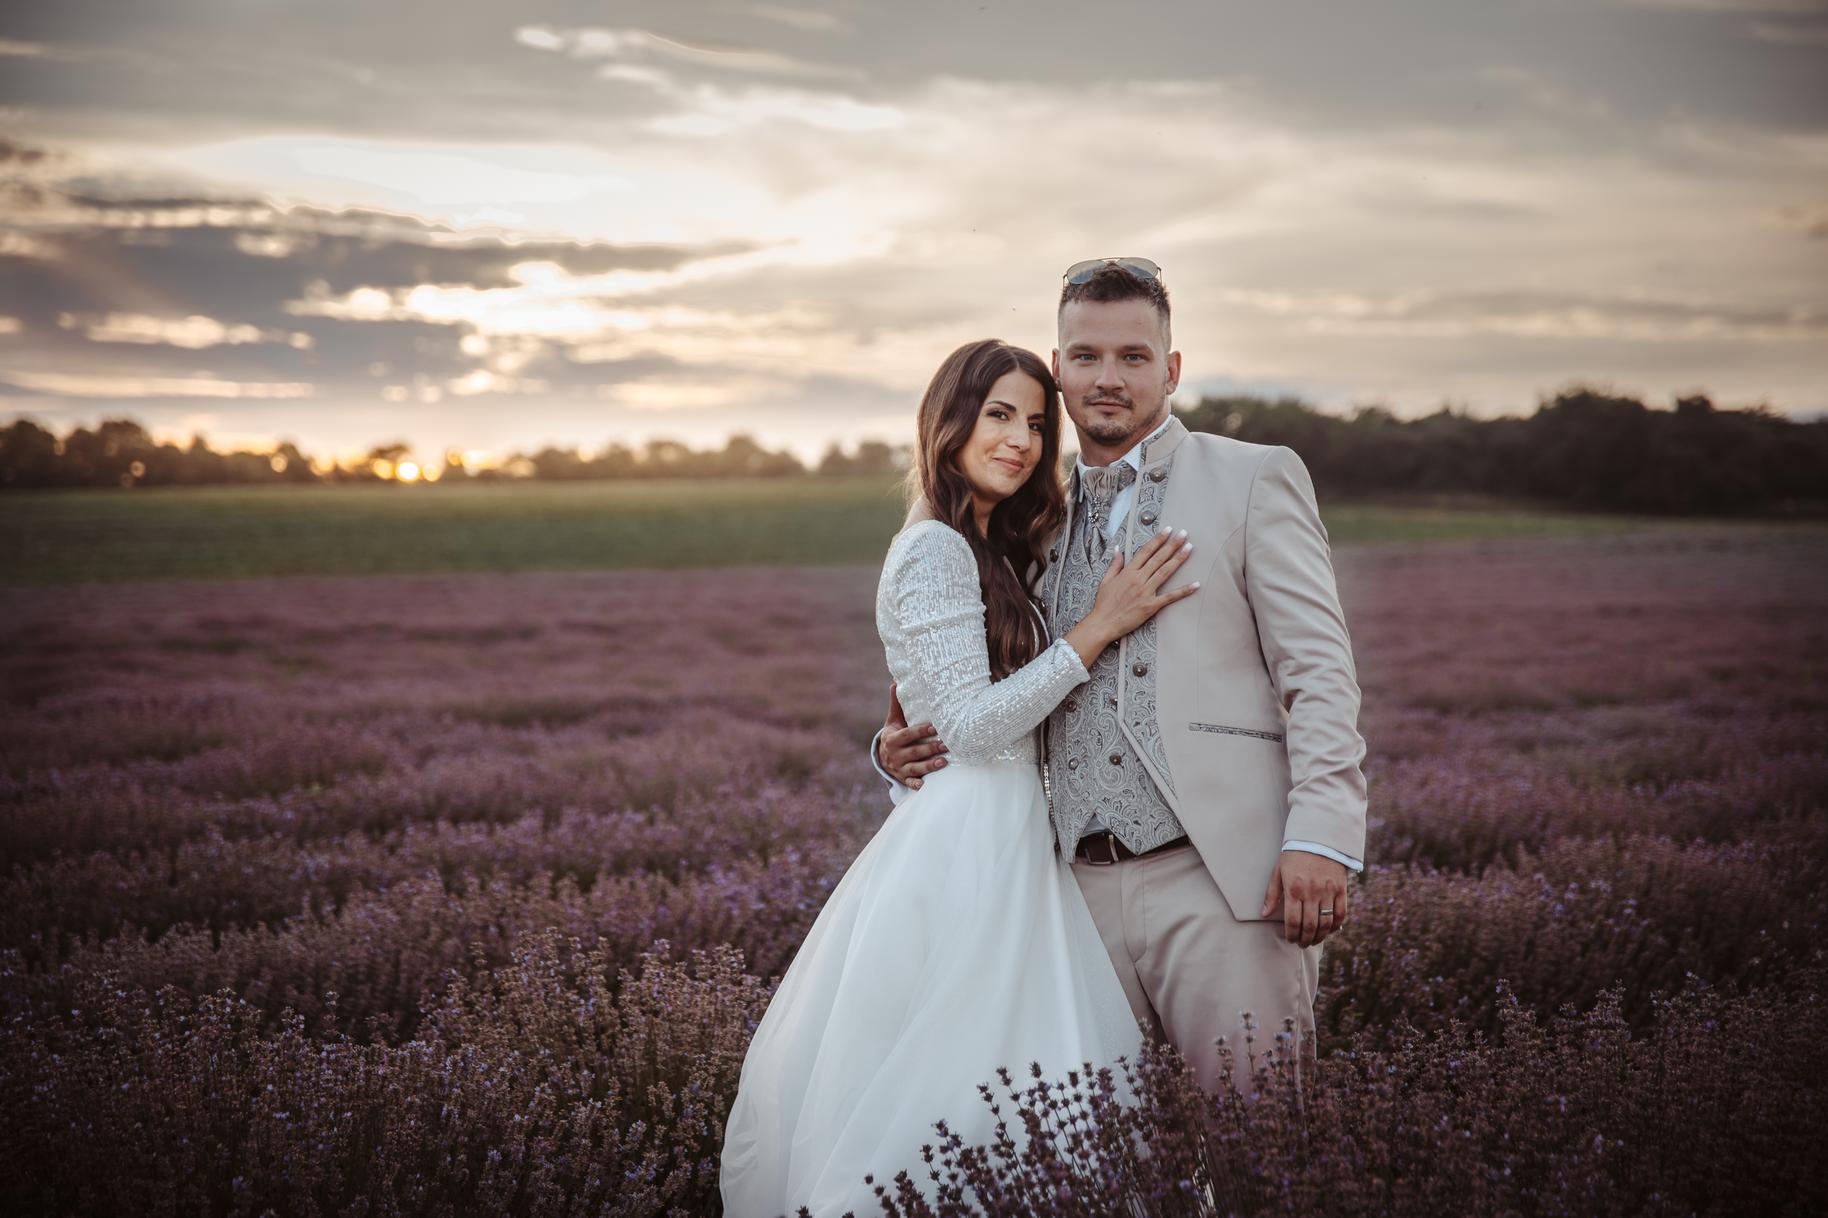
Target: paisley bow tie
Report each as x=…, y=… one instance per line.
x=1102, y=484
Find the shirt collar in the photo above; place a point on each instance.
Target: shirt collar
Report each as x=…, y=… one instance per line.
x=1133, y=458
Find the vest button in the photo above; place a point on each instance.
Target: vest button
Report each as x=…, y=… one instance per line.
x=1053, y=555
x=1140, y=669
x=1072, y=705
x=1148, y=517
x=1112, y=699
x=1072, y=763
x=1116, y=758
x=1156, y=475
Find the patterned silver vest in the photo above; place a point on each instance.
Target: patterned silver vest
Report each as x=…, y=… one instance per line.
x=1092, y=767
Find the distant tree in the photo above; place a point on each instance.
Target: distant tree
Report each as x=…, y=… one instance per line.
x=616, y=461
x=453, y=470
x=668, y=456
x=381, y=457
x=743, y=457
x=1583, y=448
x=28, y=455
x=291, y=465
x=873, y=457
x=559, y=464
x=869, y=457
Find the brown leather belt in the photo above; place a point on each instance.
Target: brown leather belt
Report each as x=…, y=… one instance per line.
x=1102, y=849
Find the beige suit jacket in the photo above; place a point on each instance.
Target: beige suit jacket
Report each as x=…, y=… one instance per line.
x=1256, y=691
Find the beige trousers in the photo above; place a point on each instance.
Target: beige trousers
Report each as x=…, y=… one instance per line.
x=1191, y=969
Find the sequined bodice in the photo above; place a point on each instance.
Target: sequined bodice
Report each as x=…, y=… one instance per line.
x=930, y=615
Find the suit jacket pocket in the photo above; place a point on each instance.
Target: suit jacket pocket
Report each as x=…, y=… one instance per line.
x=1235, y=731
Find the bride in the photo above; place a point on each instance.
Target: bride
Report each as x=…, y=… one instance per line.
x=958, y=941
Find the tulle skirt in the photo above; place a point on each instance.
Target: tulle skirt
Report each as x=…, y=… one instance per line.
x=957, y=942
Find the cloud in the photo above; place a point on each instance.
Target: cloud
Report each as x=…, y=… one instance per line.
x=595, y=42
x=1542, y=94
x=203, y=68
x=1812, y=220
x=143, y=297
x=709, y=111
x=15, y=155
x=1807, y=35
x=199, y=247
x=706, y=108
x=14, y=49
x=680, y=394
x=193, y=332
x=93, y=385
x=1732, y=6
x=799, y=18
x=1538, y=314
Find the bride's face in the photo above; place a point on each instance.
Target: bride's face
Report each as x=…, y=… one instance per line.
x=1005, y=446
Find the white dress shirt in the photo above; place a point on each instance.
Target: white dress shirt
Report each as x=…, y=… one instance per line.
x=1120, y=510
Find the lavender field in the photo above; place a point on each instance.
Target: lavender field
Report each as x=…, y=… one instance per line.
x=460, y=894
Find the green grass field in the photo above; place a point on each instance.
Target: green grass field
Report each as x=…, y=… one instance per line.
x=214, y=532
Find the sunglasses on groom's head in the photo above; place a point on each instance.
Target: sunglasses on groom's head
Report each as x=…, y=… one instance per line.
x=1136, y=268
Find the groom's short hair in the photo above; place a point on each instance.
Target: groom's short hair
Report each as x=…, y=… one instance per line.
x=1112, y=283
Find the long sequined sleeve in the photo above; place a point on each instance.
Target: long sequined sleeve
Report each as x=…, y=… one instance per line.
x=931, y=611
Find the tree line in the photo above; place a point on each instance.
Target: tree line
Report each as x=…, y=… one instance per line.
x=121, y=453
x=1582, y=449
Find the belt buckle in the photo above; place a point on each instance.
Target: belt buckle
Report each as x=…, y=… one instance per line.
x=1110, y=846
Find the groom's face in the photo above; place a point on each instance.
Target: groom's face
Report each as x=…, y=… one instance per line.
x=1115, y=372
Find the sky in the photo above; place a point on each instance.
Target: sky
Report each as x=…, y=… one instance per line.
x=498, y=227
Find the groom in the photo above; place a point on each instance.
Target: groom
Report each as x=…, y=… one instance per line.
x=1205, y=781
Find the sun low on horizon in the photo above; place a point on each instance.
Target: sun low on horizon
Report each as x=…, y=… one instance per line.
x=488, y=231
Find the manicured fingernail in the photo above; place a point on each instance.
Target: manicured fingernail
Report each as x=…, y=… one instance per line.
x=1182, y=533
x=1165, y=528
x=1186, y=546
x=1194, y=584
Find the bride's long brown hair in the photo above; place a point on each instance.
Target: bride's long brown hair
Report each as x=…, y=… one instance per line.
x=1019, y=526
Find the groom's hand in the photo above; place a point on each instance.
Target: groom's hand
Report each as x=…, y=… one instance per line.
x=908, y=752
x=1304, y=883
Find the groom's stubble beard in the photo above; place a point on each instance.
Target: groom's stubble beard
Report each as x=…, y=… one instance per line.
x=1118, y=431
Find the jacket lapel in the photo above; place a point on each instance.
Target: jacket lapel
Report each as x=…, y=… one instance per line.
x=1056, y=553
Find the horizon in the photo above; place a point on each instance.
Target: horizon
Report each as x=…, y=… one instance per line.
x=494, y=458
x=425, y=466
x=502, y=232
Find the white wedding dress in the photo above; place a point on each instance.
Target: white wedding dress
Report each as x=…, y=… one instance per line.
x=957, y=942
